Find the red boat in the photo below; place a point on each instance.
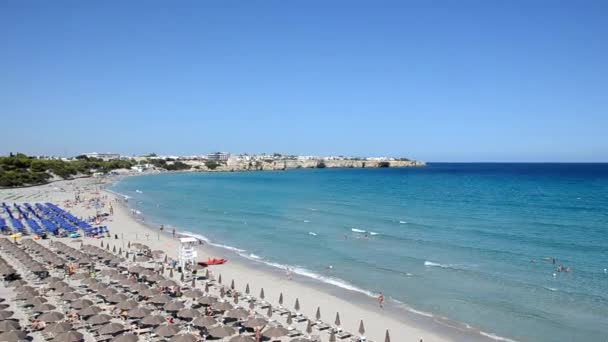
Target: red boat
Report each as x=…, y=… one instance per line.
x=213, y=261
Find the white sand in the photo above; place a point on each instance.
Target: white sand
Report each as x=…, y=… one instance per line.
x=123, y=223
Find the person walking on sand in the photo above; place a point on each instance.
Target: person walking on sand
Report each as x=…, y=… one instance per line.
x=174, y=233
x=381, y=300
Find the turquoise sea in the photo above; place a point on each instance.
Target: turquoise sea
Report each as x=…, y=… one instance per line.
x=464, y=241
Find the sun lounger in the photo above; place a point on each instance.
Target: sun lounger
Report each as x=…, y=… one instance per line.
x=343, y=334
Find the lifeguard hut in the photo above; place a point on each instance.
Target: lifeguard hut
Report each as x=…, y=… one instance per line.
x=187, y=254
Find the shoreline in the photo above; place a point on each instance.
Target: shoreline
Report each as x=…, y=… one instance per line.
x=444, y=327
x=403, y=322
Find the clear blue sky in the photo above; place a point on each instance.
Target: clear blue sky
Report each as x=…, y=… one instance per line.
x=434, y=80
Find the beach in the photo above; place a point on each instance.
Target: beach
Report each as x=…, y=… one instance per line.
x=129, y=229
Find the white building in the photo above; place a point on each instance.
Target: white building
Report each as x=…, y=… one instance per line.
x=103, y=156
x=218, y=156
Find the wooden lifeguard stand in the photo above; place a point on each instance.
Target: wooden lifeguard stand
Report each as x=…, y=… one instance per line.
x=186, y=254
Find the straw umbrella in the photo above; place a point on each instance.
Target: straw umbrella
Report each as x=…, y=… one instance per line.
x=262, y=294
x=242, y=338
x=108, y=246
x=269, y=312
x=111, y=329
x=101, y=243
x=166, y=330
x=99, y=319
x=309, y=328
x=247, y=289
x=238, y=313
x=38, y=308
x=221, y=331
x=117, y=298
x=183, y=338
x=126, y=338
x=297, y=305
x=173, y=306
x=337, y=321
x=138, y=313
x=387, y=337
x=222, y=292
x=90, y=311
x=182, y=277
x=281, y=299
x=275, y=332
x=81, y=303
x=332, y=336
x=193, y=285
x=289, y=319
x=171, y=273
x=188, y=313
x=219, y=280
x=361, y=328
x=222, y=306
x=51, y=317
x=251, y=305
x=9, y=325
x=127, y=305
x=33, y=301
x=13, y=336
x=69, y=336
x=58, y=328
x=204, y=322
x=255, y=322
x=193, y=293
x=152, y=320
x=206, y=300
x=318, y=314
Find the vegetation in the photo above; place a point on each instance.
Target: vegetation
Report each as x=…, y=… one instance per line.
x=384, y=164
x=211, y=164
x=321, y=165
x=19, y=169
x=173, y=166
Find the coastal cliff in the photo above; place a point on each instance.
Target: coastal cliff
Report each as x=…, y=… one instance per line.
x=273, y=165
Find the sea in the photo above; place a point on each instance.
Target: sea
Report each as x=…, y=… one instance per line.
x=474, y=243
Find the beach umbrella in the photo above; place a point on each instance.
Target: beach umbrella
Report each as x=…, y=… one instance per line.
x=13, y=336
x=3, y=306
x=33, y=301
x=275, y=332
x=219, y=280
x=236, y=298
x=81, y=303
x=387, y=337
x=181, y=278
x=9, y=325
x=171, y=273
x=99, y=319
x=221, y=331
x=332, y=336
x=289, y=318
x=262, y=293
x=207, y=273
x=247, y=289
x=114, y=249
x=221, y=306
x=297, y=305
x=136, y=269
x=251, y=305
x=281, y=298
x=138, y=313
x=204, y=322
x=51, y=317
x=193, y=285
x=337, y=321
x=58, y=328
x=108, y=246
x=69, y=336
x=193, y=293
x=232, y=284
x=173, y=306
x=40, y=308
x=160, y=299
x=255, y=322
x=242, y=338
x=129, y=244
x=120, y=251
x=90, y=311
x=25, y=288
x=142, y=258
x=151, y=292
x=269, y=313
x=361, y=328
x=134, y=256
x=309, y=328
x=206, y=287
x=183, y=338
x=238, y=313
x=126, y=338
x=111, y=329
x=101, y=243
x=127, y=305
x=139, y=287
x=222, y=292
x=127, y=255
x=166, y=330
x=188, y=313
x=206, y=300
x=117, y=298
x=152, y=320
x=166, y=258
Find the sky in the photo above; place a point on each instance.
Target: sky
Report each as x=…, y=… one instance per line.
x=487, y=80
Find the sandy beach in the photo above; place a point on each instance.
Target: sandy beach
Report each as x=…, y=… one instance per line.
x=352, y=307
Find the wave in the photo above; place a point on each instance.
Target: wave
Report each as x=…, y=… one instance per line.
x=312, y=233
x=358, y=230
x=402, y=222
x=373, y=233
x=306, y=221
x=204, y=238
x=446, y=266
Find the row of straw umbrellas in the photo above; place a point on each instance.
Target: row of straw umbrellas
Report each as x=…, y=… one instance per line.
x=139, y=293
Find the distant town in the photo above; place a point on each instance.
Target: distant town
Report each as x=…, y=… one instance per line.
x=224, y=161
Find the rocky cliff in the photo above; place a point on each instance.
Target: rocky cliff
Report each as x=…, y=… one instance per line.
x=271, y=165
